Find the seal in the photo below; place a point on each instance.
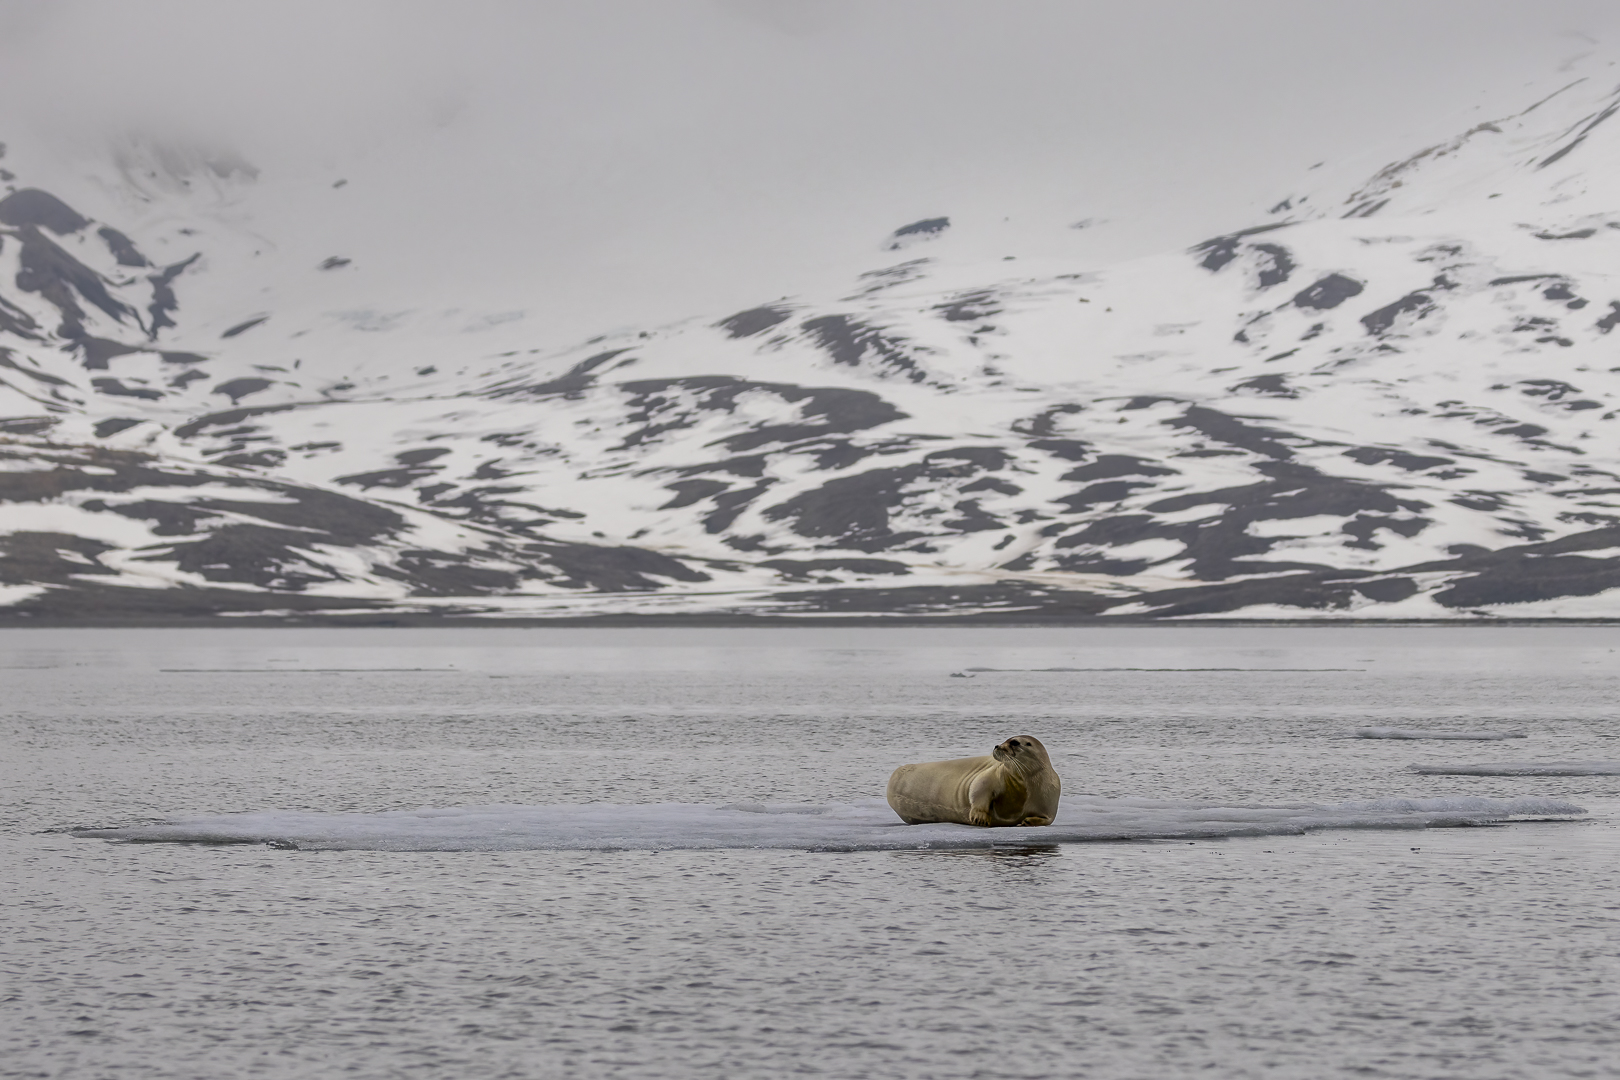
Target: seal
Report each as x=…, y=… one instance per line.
x=1015, y=785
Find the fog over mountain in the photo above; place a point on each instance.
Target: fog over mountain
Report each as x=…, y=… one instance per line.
x=809, y=309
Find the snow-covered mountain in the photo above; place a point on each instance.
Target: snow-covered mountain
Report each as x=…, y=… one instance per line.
x=1394, y=397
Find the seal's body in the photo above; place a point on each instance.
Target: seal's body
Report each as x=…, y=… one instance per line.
x=1015, y=785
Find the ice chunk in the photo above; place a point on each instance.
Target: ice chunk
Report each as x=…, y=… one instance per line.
x=1524, y=768
x=1424, y=733
x=864, y=825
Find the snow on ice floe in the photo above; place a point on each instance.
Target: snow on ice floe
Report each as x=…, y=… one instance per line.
x=1523, y=768
x=1425, y=733
x=863, y=825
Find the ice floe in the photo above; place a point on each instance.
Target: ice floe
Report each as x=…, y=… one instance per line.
x=863, y=825
x=1425, y=733
x=1524, y=768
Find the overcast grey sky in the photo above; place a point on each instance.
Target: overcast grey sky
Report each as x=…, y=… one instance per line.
x=649, y=159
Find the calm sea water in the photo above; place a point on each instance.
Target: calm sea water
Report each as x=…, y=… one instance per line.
x=1443, y=952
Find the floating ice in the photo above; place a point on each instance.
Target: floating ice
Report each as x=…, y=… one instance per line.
x=1424, y=733
x=1524, y=768
x=865, y=825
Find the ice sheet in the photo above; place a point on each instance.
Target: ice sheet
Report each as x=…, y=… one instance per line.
x=1524, y=768
x=863, y=825
x=1425, y=733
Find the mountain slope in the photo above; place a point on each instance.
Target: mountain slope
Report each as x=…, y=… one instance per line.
x=1395, y=398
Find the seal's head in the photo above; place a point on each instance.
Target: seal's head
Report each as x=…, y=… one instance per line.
x=1023, y=751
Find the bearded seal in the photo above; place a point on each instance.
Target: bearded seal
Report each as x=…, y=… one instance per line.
x=1015, y=785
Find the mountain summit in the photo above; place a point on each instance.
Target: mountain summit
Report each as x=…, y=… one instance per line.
x=1393, y=397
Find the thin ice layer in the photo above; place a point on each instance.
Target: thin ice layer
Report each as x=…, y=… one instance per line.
x=865, y=825
x=1524, y=768
x=1425, y=733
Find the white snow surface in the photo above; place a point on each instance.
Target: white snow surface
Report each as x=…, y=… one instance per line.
x=866, y=824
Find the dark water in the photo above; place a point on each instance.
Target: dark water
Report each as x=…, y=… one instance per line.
x=1462, y=952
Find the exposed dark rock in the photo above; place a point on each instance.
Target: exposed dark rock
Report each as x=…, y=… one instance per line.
x=46, y=269
x=659, y=406
x=1274, y=264
x=928, y=227
x=973, y=459
x=1551, y=389
x=1106, y=491
x=1579, y=138
x=97, y=351
x=1308, y=591
x=1386, y=590
x=755, y=320
x=237, y=389
x=226, y=418
x=114, y=425
x=1416, y=304
x=31, y=206
x=242, y=327
x=25, y=425
x=1221, y=546
x=14, y=320
x=1067, y=449
x=418, y=457
x=729, y=506
x=851, y=342
x=1269, y=385
x=35, y=558
x=1378, y=455
x=1328, y=292
x=991, y=483
x=1108, y=466
x=572, y=383
x=970, y=306
x=48, y=379
x=116, y=388
x=973, y=518
x=164, y=302
x=414, y=465
x=613, y=569
x=1367, y=208
x=1044, y=424
x=260, y=459
x=122, y=247
x=1234, y=432
x=688, y=492
x=390, y=478
x=1223, y=249
x=853, y=509
x=440, y=573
